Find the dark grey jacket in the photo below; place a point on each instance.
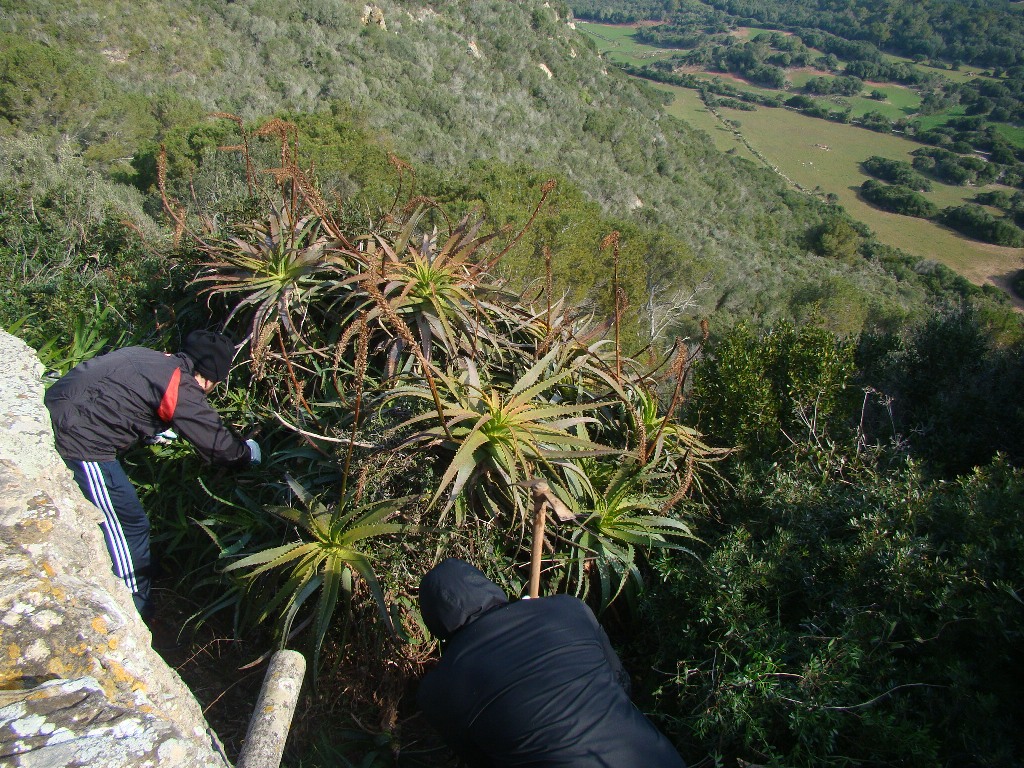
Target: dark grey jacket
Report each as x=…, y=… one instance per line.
x=105, y=405
x=530, y=683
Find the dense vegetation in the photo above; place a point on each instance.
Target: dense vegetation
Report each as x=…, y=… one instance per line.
x=1012, y=205
x=846, y=592
x=951, y=167
x=974, y=221
x=897, y=199
x=800, y=523
x=607, y=139
x=896, y=172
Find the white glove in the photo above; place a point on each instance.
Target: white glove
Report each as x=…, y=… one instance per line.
x=255, y=454
x=162, y=438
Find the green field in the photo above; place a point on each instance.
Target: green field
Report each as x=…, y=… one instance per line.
x=821, y=155
x=616, y=42
x=1015, y=134
x=796, y=145
x=687, y=105
x=899, y=103
x=962, y=75
x=925, y=122
x=737, y=82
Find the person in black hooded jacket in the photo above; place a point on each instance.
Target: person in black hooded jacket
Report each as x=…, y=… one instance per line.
x=529, y=683
x=105, y=405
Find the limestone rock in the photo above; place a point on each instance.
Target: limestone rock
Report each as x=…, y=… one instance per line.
x=372, y=14
x=72, y=723
x=68, y=628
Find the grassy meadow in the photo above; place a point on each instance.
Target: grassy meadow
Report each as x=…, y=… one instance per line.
x=617, y=44
x=825, y=156
x=900, y=101
x=687, y=105
x=795, y=144
x=962, y=75
x=1013, y=133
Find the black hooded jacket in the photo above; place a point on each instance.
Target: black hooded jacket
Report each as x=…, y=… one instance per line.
x=107, y=404
x=529, y=683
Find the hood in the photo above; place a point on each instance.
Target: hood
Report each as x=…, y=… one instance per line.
x=454, y=594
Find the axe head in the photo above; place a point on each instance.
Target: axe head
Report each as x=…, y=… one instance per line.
x=543, y=495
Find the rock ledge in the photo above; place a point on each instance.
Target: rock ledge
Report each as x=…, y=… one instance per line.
x=79, y=683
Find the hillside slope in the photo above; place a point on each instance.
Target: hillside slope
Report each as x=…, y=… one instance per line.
x=448, y=84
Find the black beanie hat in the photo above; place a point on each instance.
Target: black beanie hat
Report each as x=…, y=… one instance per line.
x=211, y=352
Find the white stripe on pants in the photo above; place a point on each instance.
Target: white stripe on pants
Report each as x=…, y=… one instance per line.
x=119, y=550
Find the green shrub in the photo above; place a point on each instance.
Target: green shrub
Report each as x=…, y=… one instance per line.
x=976, y=222
x=842, y=623
x=898, y=199
x=895, y=172
x=764, y=392
x=836, y=238
x=1018, y=283
x=954, y=381
x=75, y=247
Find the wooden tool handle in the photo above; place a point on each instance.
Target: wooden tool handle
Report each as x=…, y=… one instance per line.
x=539, y=520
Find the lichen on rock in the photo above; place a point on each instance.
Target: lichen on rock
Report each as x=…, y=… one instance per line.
x=72, y=723
x=79, y=682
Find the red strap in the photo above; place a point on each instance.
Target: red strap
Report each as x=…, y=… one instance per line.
x=170, y=400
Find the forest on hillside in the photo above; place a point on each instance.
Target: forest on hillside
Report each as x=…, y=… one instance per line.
x=718, y=226
x=794, y=454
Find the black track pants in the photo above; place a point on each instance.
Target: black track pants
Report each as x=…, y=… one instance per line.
x=125, y=526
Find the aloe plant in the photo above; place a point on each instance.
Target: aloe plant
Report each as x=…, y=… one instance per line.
x=87, y=341
x=662, y=439
x=619, y=519
x=276, y=269
x=325, y=560
x=437, y=288
x=499, y=437
x=365, y=325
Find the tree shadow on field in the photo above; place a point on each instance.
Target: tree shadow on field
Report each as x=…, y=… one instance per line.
x=1012, y=282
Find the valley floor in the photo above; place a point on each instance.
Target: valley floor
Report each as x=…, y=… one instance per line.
x=816, y=155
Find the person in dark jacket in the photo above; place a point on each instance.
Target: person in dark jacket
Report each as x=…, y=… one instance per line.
x=105, y=405
x=529, y=683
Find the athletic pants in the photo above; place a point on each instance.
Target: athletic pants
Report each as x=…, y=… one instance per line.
x=125, y=524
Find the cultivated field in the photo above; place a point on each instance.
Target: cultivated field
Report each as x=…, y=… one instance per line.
x=820, y=155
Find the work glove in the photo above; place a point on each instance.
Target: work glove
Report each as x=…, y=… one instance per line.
x=255, y=454
x=166, y=437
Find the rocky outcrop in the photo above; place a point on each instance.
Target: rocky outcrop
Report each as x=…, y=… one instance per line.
x=79, y=682
x=372, y=14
